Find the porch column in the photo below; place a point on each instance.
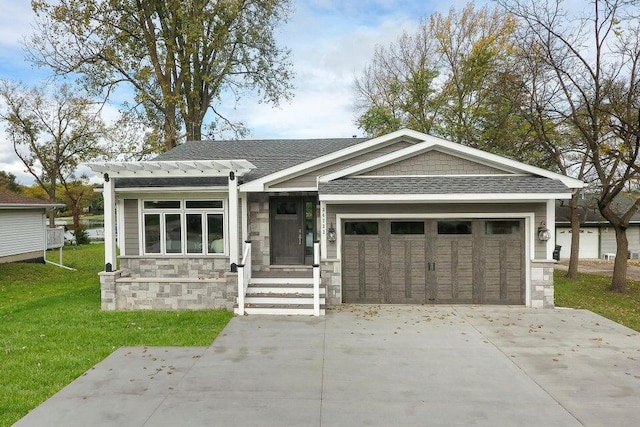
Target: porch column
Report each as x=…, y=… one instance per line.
x=245, y=217
x=551, y=226
x=109, y=224
x=233, y=220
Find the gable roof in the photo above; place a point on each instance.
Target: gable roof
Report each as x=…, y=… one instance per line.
x=16, y=201
x=434, y=143
x=268, y=155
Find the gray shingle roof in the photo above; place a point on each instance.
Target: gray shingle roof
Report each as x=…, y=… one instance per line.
x=268, y=155
x=444, y=185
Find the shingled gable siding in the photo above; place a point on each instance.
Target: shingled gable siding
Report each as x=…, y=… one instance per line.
x=309, y=179
x=434, y=163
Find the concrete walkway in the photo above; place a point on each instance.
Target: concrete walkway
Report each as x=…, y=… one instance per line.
x=372, y=365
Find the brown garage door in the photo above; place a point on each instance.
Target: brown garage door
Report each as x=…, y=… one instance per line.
x=433, y=261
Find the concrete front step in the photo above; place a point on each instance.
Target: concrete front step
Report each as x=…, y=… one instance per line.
x=282, y=309
x=279, y=299
x=282, y=281
x=291, y=290
x=282, y=295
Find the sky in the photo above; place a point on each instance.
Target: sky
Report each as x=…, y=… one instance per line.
x=331, y=41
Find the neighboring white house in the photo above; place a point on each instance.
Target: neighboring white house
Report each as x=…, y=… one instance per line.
x=597, y=237
x=23, y=228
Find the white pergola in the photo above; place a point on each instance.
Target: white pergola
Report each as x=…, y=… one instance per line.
x=168, y=169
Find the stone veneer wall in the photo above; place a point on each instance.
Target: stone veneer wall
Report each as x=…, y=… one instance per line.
x=542, y=284
x=174, y=283
x=259, y=230
x=331, y=276
x=129, y=293
x=170, y=267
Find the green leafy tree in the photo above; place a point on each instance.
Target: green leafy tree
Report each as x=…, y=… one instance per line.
x=8, y=183
x=177, y=56
x=450, y=79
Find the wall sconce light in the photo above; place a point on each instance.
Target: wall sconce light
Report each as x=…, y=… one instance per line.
x=331, y=233
x=543, y=232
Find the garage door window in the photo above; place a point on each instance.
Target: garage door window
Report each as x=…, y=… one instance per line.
x=454, y=227
x=361, y=228
x=407, y=227
x=502, y=227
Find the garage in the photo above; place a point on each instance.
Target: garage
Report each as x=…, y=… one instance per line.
x=434, y=261
x=589, y=242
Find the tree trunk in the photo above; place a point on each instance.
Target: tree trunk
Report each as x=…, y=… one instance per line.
x=75, y=213
x=572, y=273
x=170, y=128
x=619, y=278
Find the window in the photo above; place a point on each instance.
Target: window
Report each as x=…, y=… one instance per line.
x=454, y=227
x=502, y=227
x=183, y=227
x=362, y=228
x=407, y=227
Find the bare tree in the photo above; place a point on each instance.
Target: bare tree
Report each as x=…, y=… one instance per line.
x=593, y=56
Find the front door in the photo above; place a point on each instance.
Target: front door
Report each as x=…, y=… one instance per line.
x=292, y=232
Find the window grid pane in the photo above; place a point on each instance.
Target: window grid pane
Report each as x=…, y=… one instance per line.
x=194, y=233
x=361, y=228
x=454, y=227
x=215, y=233
x=173, y=234
x=407, y=227
x=203, y=204
x=152, y=233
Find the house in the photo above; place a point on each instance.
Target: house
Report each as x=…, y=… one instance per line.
x=23, y=228
x=597, y=237
x=292, y=226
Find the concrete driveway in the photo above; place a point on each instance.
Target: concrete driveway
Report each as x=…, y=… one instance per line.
x=372, y=365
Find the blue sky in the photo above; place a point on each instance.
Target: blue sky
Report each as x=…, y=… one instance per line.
x=331, y=41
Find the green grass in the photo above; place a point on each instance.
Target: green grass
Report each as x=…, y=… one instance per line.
x=52, y=329
x=591, y=292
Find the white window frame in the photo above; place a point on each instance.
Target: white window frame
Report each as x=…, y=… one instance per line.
x=183, y=211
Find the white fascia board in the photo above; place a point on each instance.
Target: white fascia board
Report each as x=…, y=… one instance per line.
x=413, y=198
x=260, y=183
x=468, y=153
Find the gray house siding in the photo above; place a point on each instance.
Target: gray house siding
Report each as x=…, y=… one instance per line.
x=131, y=235
x=309, y=179
x=434, y=163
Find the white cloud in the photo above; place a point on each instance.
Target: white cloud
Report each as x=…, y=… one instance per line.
x=331, y=41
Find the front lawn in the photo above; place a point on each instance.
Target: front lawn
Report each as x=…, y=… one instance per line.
x=591, y=292
x=52, y=329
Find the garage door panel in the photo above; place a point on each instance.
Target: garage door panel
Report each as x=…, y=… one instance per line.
x=408, y=269
x=454, y=272
x=502, y=257
x=361, y=273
